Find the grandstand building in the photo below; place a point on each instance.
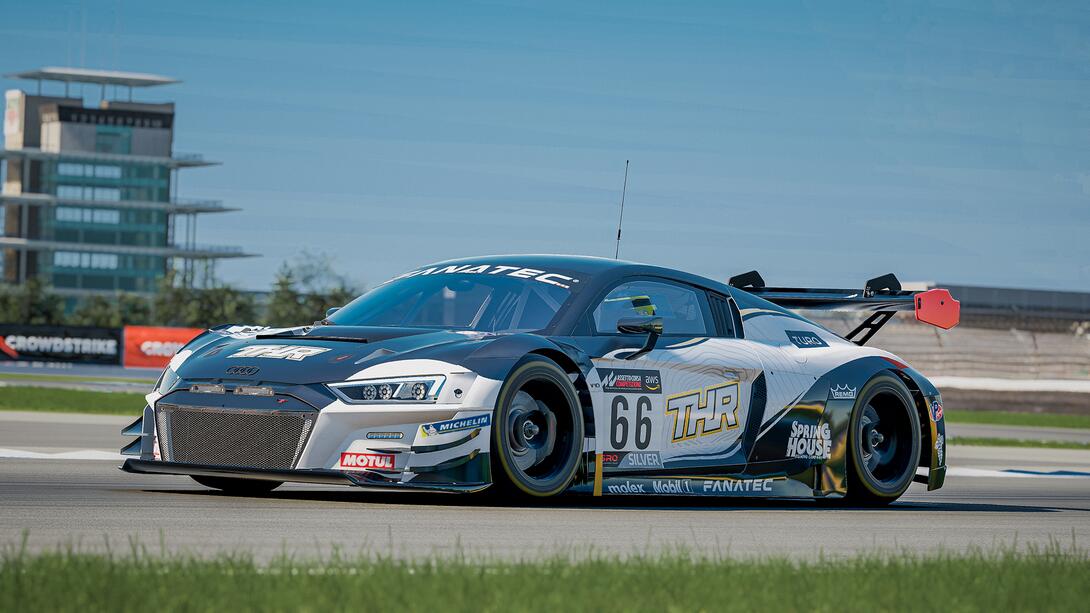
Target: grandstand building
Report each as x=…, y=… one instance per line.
x=89, y=197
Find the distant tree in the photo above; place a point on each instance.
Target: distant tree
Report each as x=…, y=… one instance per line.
x=174, y=305
x=31, y=303
x=112, y=311
x=305, y=289
x=135, y=310
x=221, y=305
x=171, y=304
x=96, y=310
x=285, y=307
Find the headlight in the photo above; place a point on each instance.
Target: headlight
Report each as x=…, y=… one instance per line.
x=400, y=389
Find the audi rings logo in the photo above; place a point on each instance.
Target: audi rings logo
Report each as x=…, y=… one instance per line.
x=243, y=371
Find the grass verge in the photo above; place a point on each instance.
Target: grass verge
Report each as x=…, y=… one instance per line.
x=59, y=400
x=1006, y=418
x=1049, y=579
x=980, y=441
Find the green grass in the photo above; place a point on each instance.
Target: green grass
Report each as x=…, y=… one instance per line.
x=980, y=441
x=53, y=399
x=19, y=376
x=1051, y=579
x=1004, y=418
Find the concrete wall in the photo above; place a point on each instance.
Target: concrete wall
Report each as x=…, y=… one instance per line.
x=1009, y=355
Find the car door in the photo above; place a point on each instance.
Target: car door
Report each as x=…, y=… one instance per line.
x=684, y=404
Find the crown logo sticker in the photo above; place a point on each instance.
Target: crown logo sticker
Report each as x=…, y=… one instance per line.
x=842, y=392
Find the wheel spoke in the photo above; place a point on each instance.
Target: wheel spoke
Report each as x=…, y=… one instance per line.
x=870, y=433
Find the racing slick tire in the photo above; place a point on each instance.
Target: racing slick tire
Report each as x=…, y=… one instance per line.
x=537, y=431
x=883, y=442
x=238, y=487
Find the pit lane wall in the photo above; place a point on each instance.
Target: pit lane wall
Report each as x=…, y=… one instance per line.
x=129, y=346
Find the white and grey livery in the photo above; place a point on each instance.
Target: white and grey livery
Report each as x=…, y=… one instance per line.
x=544, y=374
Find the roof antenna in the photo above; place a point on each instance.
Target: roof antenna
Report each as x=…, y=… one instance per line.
x=617, y=251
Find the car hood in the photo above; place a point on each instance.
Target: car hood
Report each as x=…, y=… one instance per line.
x=315, y=355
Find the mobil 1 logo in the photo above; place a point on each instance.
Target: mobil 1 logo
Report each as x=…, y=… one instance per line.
x=629, y=391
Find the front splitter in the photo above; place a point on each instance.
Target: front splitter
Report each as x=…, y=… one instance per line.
x=364, y=480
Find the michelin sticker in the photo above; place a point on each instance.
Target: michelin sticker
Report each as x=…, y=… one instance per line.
x=454, y=425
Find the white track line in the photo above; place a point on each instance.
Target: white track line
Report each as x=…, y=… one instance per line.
x=1012, y=385
x=76, y=454
x=957, y=471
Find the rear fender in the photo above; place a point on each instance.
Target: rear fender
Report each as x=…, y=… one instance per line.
x=932, y=427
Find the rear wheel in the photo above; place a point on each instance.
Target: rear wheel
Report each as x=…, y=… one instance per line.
x=240, y=487
x=884, y=442
x=537, y=430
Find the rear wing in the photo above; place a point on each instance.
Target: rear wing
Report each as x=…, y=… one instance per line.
x=882, y=296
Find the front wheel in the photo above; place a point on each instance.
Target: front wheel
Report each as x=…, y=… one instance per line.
x=537, y=430
x=884, y=442
x=238, y=487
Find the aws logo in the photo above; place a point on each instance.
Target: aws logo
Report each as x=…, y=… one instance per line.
x=703, y=412
x=626, y=380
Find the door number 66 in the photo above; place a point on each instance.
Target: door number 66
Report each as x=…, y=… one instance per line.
x=618, y=428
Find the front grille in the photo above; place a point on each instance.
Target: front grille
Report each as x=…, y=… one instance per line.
x=227, y=437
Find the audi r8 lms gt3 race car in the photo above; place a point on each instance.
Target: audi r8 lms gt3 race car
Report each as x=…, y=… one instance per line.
x=544, y=374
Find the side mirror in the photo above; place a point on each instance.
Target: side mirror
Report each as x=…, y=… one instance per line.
x=651, y=326
x=639, y=325
x=331, y=311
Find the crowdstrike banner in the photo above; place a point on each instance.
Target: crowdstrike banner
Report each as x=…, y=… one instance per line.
x=153, y=346
x=60, y=344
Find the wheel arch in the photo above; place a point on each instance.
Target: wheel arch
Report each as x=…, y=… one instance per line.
x=926, y=442
x=579, y=380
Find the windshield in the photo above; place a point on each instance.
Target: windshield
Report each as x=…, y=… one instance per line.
x=478, y=302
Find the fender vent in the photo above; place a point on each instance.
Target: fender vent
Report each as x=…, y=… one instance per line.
x=757, y=401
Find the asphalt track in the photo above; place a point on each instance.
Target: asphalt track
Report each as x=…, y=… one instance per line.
x=53, y=493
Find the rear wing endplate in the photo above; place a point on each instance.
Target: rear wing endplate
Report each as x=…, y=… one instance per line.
x=882, y=296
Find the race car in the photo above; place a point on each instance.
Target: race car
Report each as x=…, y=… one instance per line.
x=536, y=375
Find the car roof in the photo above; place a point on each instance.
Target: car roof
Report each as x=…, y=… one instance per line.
x=598, y=272
x=587, y=266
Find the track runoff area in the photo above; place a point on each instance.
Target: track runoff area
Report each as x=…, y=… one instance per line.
x=59, y=484
x=74, y=529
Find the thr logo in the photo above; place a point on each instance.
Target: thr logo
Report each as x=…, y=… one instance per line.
x=704, y=412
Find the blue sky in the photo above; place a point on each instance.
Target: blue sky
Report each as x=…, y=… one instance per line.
x=820, y=144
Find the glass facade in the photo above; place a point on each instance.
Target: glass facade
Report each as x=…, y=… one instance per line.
x=82, y=216
x=87, y=200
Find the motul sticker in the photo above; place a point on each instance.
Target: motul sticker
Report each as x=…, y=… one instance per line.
x=370, y=461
